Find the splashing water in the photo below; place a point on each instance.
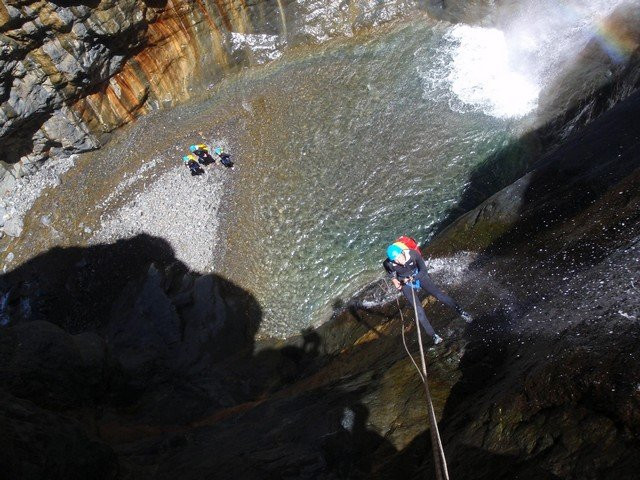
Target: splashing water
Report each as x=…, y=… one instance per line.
x=478, y=75
x=545, y=35
x=481, y=74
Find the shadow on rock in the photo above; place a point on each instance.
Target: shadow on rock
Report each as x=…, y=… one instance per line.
x=115, y=326
x=149, y=363
x=351, y=451
x=130, y=301
x=20, y=142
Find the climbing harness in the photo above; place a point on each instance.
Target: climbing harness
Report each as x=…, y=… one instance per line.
x=442, y=472
x=414, y=282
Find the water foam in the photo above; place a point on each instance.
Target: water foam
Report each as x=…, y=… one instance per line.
x=501, y=72
x=473, y=72
x=481, y=74
x=453, y=269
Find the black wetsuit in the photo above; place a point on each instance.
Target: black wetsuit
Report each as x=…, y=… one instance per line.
x=204, y=157
x=416, y=268
x=225, y=159
x=195, y=168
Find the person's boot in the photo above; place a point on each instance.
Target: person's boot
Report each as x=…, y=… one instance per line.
x=466, y=316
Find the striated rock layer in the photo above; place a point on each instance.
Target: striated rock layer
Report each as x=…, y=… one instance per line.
x=71, y=72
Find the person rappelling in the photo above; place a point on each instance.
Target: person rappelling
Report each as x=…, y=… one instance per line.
x=408, y=272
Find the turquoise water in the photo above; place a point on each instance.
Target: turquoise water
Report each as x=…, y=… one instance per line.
x=340, y=150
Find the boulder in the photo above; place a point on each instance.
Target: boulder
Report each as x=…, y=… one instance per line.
x=13, y=226
x=7, y=180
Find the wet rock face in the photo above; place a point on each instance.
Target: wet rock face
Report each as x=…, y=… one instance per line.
x=37, y=443
x=567, y=180
x=606, y=72
x=475, y=12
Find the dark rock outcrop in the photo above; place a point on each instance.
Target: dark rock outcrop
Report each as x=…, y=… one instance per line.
x=578, y=176
x=38, y=443
x=46, y=365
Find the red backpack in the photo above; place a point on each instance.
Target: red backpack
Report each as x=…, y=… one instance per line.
x=410, y=243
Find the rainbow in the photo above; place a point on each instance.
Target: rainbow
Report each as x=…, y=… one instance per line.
x=617, y=42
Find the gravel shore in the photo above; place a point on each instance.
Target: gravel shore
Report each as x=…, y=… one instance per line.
x=27, y=189
x=178, y=207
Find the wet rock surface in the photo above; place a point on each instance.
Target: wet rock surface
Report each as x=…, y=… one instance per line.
x=601, y=76
x=600, y=159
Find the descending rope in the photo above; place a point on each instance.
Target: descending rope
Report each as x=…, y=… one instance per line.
x=404, y=341
x=442, y=472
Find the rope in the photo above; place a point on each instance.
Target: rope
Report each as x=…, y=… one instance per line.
x=442, y=471
x=404, y=342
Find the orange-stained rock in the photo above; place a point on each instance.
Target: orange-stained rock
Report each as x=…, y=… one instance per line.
x=109, y=63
